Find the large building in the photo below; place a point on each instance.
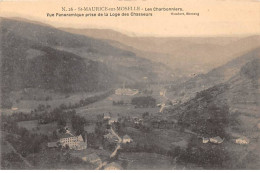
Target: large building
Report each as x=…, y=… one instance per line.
x=73, y=142
x=127, y=139
x=126, y=91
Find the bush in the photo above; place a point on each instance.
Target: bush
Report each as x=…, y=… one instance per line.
x=144, y=101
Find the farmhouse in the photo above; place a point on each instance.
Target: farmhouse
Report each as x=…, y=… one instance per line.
x=242, y=141
x=205, y=140
x=138, y=120
x=107, y=116
x=73, y=142
x=127, y=139
x=126, y=91
x=113, y=120
x=216, y=140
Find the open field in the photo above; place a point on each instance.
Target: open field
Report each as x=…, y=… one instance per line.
x=103, y=154
x=164, y=138
x=106, y=106
x=55, y=159
x=147, y=161
x=34, y=127
x=28, y=101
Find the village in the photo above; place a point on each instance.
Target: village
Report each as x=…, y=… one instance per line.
x=114, y=134
x=107, y=138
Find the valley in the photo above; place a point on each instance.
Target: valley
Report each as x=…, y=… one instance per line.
x=98, y=99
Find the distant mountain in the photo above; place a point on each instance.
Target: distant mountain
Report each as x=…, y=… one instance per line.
x=38, y=55
x=184, y=91
x=185, y=55
x=26, y=63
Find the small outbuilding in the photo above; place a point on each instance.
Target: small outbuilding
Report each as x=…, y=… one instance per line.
x=205, y=140
x=127, y=139
x=242, y=141
x=216, y=140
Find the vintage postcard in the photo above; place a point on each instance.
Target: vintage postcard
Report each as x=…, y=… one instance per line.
x=130, y=84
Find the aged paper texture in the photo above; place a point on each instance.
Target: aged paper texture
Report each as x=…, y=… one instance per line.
x=130, y=84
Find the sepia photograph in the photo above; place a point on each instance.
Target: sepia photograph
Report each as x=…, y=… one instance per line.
x=129, y=85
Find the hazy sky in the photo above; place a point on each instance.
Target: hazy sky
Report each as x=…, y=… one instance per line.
x=217, y=17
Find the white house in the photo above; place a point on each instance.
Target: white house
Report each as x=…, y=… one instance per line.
x=126, y=91
x=216, y=140
x=107, y=116
x=127, y=139
x=113, y=120
x=242, y=141
x=205, y=140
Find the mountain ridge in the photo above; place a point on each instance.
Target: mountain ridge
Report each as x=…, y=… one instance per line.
x=186, y=54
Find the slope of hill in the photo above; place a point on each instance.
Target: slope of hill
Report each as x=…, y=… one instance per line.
x=185, y=55
x=29, y=63
x=124, y=63
x=185, y=91
x=229, y=110
x=225, y=109
x=19, y=36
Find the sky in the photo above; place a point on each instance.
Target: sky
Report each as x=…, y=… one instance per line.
x=216, y=17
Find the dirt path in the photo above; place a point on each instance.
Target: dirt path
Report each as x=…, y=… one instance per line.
x=114, y=152
x=118, y=143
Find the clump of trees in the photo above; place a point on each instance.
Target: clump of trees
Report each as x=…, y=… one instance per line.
x=120, y=102
x=24, y=142
x=205, y=114
x=78, y=124
x=143, y=101
x=147, y=92
x=208, y=156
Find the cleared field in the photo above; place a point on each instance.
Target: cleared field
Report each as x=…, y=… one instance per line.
x=147, y=161
x=54, y=159
x=105, y=106
x=34, y=127
x=162, y=138
x=27, y=101
x=103, y=154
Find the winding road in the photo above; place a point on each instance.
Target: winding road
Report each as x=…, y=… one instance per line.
x=118, y=143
